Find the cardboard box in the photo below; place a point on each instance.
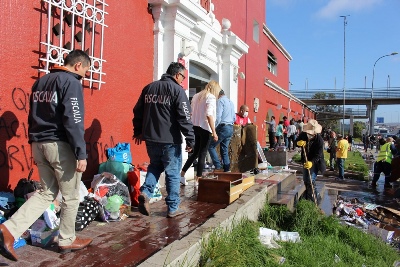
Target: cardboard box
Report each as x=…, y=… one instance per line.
x=223, y=187
x=42, y=239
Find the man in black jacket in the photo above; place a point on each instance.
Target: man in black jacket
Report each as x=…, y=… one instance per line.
x=56, y=134
x=311, y=142
x=161, y=115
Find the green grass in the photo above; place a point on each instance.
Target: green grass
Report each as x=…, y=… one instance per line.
x=354, y=163
x=321, y=238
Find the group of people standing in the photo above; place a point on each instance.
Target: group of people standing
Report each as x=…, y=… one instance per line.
x=206, y=122
x=285, y=133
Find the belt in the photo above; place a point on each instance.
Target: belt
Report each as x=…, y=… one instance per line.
x=224, y=124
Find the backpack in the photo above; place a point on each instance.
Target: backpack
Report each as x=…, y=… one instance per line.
x=26, y=186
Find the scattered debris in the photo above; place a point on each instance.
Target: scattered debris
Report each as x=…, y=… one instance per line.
x=380, y=221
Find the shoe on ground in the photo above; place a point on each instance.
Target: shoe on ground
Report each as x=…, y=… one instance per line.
x=183, y=181
x=176, y=213
x=7, y=244
x=144, y=204
x=78, y=244
x=339, y=178
x=331, y=169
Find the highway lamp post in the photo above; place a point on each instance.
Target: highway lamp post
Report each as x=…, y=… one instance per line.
x=372, y=113
x=344, y=67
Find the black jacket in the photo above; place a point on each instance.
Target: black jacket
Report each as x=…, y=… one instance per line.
x=314, y=150
x=163, y=112
x=57, y=110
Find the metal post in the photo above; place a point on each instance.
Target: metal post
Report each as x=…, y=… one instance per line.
x=372, y=115
x=344, y=67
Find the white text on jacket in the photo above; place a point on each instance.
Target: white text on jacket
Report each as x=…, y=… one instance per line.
x=44, y=96
x=160, y=99
x=75, y=109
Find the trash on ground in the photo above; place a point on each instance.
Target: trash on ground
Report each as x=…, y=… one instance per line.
x=268, y=237
x=380, y=221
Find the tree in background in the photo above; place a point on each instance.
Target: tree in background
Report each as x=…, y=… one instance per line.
x=357, y=129
x=324, y=117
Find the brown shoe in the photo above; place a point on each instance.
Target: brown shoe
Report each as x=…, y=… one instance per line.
x=78, y=244
x=144, y=206
x=7, y=244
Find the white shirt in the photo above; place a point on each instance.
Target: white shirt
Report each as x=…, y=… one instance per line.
x=291, y=130
x=203, y=108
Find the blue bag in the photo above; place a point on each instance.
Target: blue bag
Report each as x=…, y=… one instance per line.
x=121, y=153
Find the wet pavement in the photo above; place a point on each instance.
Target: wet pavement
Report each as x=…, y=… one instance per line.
x=132, y=241
x=124, y=243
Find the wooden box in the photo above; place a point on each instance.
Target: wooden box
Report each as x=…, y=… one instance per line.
x=223, y=187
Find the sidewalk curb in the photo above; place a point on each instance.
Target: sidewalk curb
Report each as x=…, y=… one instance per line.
x=186, y=252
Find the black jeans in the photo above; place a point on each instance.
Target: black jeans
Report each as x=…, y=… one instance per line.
x=201, y=144
x=272, y=139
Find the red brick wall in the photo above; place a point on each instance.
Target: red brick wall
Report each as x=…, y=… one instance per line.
x=128, y=50
x=242, y=13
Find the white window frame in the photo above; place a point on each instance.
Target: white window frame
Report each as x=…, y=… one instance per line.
x=92, y=14
x=272, y=63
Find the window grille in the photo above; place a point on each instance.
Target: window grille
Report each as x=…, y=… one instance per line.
x=76, y=24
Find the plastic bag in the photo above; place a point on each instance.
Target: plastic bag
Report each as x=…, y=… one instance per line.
x=87, y=212
x=106, y=185
x=121, y=152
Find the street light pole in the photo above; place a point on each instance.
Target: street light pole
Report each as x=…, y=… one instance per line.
x=372, y=113
x=344, y=67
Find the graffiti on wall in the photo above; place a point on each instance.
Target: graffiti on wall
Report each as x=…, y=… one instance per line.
x=15, y=152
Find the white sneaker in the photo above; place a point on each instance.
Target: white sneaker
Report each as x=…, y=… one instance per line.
x=183, y=181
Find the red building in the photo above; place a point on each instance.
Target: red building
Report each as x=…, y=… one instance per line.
x=123, y=49
x=131, y=43
x=265, y=84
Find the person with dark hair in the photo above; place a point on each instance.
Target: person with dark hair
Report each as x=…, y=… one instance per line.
x=56, y=134
x=350, y=140
x=271, y=132
x=279, y=133
x=161, y=115
x=332, y=149
x=224, y=128
x=384, y=162
x=341, y=154
x=291, y=134
x=286, y=124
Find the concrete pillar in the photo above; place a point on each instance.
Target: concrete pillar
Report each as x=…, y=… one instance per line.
x=351, y=130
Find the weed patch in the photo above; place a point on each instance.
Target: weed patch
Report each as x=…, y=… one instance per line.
x=321, y=239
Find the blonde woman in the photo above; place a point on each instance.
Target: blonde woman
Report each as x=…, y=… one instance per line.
x=203, y=117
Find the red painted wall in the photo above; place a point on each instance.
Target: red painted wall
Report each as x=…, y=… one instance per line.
x=242, y=14
x=128, y=50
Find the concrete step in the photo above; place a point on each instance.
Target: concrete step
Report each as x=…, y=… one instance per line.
x=289, y=195
x=275, y=181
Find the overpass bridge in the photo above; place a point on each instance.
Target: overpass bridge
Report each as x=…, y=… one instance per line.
x=326, y=102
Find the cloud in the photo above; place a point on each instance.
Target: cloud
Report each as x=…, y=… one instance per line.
x=335, y=8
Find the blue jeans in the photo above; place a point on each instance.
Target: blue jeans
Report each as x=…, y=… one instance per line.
x=224, y=138
x=313, y=172
x=340, y=164
x=168, y=158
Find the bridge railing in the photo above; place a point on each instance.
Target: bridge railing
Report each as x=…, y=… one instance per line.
x=339, y=109
x=351, y=93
